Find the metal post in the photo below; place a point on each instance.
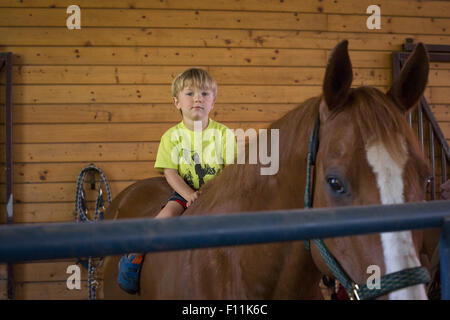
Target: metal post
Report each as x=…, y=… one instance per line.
x=9, y=159
x=433, y=164
x=420, y=125
x=444, y=254
x=444, y=165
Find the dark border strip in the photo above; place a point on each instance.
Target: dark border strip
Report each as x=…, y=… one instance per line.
x=6, y=66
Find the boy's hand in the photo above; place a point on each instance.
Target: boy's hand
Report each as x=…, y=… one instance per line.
x=191, y=198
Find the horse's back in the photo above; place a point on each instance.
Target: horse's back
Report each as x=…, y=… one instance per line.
x=144, y=198
x=139, y=200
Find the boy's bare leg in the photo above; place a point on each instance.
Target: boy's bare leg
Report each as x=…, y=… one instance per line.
x=172, y=209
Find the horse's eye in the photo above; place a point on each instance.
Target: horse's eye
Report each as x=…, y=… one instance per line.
x=336, y=185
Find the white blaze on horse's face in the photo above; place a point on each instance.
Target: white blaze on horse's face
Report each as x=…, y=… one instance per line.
x=398, y=247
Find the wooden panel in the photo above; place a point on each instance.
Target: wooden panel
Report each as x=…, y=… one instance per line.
x=441, y=112
x=222, y=20
x=49, y=291
x=97, y=74
x=3, y=281
x=44, y=212
x=50, y=212
x=47, y=212
x=155, y=94
x=161, y=37
x=439, y=77
x=362, y=59
x=165, y=19
x=122, y=113
x=438, y=95
x=54, y=192
x=169, y=56
x=389, y=7
x=189, y=56
x=3, y=272
x=45, y=280
x=166, y=74
x=132, y=132
x=389, y=24
x=79, y=152
x=440, y=65
x=67, y=172
x=45, y=271
x=3, y=290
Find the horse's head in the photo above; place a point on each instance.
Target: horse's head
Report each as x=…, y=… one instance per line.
x=368, y=154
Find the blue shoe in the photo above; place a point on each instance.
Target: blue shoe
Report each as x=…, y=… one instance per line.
x=129, y=270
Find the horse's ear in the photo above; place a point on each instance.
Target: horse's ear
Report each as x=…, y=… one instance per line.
x=338, y=77
x=407, y=89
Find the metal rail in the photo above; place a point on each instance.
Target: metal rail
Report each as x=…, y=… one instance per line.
x=69, y=240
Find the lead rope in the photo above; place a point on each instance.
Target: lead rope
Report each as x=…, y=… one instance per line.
x=81, y=215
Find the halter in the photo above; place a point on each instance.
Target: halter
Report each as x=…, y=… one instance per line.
x=388, y=283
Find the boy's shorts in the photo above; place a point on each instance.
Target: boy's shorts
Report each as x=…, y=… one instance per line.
x=178, y=198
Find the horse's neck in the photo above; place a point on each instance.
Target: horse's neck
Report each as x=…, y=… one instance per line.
x=288, y=267
x=295, y=129
x=275, y=270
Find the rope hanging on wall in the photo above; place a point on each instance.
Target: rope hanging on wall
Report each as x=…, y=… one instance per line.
x=81, y=215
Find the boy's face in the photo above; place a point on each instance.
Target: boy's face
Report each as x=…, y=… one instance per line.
x=195, y=103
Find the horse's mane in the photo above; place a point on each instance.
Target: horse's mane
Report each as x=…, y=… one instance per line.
x=377, y=119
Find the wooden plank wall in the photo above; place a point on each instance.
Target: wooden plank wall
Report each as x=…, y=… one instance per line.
x=102, y=93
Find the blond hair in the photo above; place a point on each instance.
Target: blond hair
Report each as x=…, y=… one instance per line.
x=195, y=77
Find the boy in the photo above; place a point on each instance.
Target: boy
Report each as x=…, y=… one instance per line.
x=189, y=154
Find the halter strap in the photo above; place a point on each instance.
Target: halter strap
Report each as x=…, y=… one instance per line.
x=395, y=281
x=388, y=283
x=310, y=164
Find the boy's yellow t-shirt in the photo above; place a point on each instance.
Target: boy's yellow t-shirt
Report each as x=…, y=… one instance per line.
x=197, y=156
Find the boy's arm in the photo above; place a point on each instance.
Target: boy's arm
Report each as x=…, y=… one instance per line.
x=178, y=183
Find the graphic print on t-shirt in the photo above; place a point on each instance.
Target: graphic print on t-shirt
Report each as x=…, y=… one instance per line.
x=199, y=170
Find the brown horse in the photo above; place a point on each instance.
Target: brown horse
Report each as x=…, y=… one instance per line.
x=367, y=155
